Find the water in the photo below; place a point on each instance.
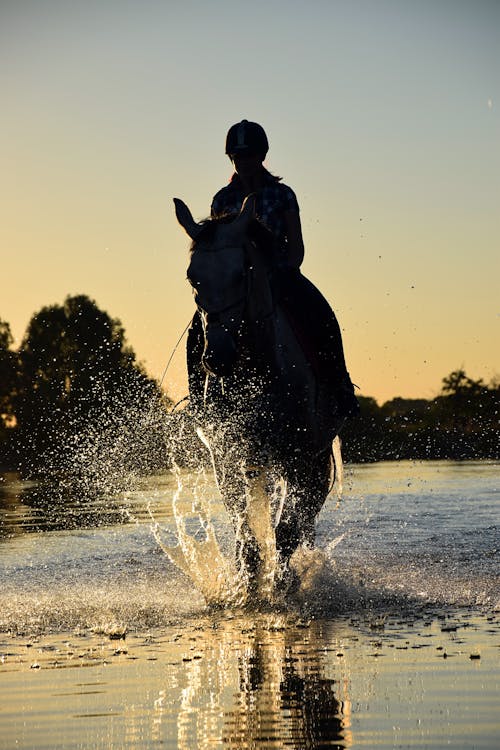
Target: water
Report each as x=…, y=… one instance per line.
x=392, y=640
x=410, y=533
x=426, y=530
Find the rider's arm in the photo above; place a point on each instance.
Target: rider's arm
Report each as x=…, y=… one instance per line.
x=295, y=243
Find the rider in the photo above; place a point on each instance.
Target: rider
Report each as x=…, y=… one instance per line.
x=276, y=207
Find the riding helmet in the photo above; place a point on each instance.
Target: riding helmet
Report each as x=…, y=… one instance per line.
x=247, y=138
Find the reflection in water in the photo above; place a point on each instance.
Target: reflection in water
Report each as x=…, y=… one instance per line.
x=258, y=683
x=53, y=505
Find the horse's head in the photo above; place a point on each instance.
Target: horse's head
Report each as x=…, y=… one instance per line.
x=218, y=273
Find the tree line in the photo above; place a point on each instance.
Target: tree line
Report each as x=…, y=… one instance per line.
x=73, y=398
x=460, y=423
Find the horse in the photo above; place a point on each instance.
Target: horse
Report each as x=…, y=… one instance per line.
x=261, y=408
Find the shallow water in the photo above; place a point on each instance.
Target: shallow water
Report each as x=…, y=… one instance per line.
x=392, y=641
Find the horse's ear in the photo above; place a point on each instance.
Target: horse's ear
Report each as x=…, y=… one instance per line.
x=185, y=219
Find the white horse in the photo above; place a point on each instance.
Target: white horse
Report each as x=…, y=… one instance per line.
x=261, y=409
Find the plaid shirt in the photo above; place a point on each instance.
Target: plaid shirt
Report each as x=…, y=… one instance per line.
x=271, y=203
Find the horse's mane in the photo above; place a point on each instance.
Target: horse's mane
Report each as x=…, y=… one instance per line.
x=257, y=232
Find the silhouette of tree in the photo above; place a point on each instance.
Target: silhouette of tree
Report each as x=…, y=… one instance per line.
x=5, y=335
x=462, y=405
x=78, y=377
x=458, y=384
x=460, y=423
x=8, y=380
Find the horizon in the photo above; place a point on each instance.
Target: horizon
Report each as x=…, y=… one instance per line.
x=381, y=117
x=175, y=393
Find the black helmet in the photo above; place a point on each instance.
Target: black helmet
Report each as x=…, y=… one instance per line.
x=247, y=138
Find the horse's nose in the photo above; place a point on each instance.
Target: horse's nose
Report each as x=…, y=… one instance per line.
x=220, y=352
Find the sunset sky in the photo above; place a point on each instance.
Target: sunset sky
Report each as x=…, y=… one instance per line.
x=383, y=115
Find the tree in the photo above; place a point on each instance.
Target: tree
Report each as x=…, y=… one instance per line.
x=460, y=407
x=8, y=379
x=457, y=384
x=80, y=385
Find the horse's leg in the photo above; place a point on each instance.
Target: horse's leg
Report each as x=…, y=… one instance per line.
x=233, y=485
x=308, y=483
x=248, y=499
x=260, y=518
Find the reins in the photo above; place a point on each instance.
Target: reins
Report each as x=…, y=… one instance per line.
x=173, y=352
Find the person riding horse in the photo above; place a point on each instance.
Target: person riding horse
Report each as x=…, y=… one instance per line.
x=277, y=214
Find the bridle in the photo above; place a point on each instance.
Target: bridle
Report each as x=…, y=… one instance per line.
x=221, y=305
x=213, y=315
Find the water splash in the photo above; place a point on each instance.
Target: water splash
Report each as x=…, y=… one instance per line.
x=338, y=467
x=200, y=559
x=413, y=535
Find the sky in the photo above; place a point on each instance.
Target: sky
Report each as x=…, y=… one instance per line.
x=382, y=115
